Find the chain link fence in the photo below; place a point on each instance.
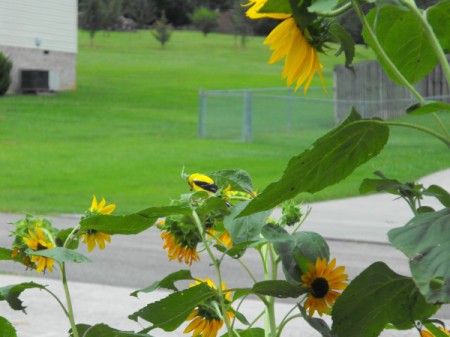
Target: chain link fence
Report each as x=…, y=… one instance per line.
x=244, y=115
x=247, y=115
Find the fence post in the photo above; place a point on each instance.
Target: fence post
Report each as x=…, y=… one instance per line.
x=247, y=121
x=201, y=131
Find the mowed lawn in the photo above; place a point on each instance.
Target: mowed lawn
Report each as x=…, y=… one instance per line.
x=130, y=126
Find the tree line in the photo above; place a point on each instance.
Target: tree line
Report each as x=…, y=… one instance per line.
x=95, y=15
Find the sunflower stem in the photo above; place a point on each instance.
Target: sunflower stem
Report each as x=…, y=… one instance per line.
x=286, y=321
x=69, y=238
x=57, y=300
x=302, y=220
x=336, y=12
x=270, y=273
x=247, y=270
x=441, y=124
x=68, y=299
x=382, y=54
x=216, y=263
x=416, y=127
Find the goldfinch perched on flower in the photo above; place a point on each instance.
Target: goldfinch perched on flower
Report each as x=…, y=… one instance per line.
x=200, y=182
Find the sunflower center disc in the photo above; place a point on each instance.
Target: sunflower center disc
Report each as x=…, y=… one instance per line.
x=320, y=287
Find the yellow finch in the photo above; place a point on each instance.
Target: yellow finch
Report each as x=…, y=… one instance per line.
x=200, y=182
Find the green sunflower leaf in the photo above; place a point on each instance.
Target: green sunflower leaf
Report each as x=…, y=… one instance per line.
x=244, y=229
x=323, y=6
x=436, y=15
x=213, y=204
x=296, y=250
x=426, y=241
x=428, y=107
x=439, y=193
x=170, y=312
x=161, y=212
x=404, y=41
x=5, y=254
x=60, y=255
x=276, y=6
x=393, y=186
x=435, y=331
x=237, y=250
x=317, y=324
x=278, y=288
x=330, y=159
x=119, y=224
x=103, y=330
x=62, y=237
x=11, y=294
x=375, y=298
x=168, y=282
x=239, y=180
x=345, y=40
x=7, y=328
x=252, y=332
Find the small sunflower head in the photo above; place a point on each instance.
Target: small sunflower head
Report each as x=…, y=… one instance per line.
x=222, y=238
x=323, y=281
x=39, y=239
x=205, y=319
x=181, y=238
x=99, y=208
x=92, y=237
x=291, y=213
x=33, y=234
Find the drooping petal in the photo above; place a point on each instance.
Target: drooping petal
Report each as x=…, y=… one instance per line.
x=302, y=61
x=256, y=5
x=41, y=264
x=91, y=242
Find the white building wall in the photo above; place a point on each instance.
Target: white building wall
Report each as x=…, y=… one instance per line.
x=53, y=23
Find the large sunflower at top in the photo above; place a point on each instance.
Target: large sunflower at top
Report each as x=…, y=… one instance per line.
x=289, y=41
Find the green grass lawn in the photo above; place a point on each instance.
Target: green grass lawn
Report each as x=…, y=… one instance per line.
x=131, y=125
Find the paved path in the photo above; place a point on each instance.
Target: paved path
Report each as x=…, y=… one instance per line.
x=356, y=229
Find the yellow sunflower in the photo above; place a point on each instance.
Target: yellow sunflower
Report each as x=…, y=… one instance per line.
x=426, y=333
x=288, y=41
x=204, y=319
x=176, y=250
x=223, y=238
x=38, y=241
x=323, y=280
x=93, y=237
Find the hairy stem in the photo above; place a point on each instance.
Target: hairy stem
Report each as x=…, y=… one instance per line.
x=68, y=299
x=70, y=237
x=441, y=124
x=286, y=321
x=270, y=273
x=58, y=300
x=216, y=263
x=417, y=127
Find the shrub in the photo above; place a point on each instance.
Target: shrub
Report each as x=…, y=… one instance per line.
x=205, y=19
x=5, y=71
x=162, y=30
